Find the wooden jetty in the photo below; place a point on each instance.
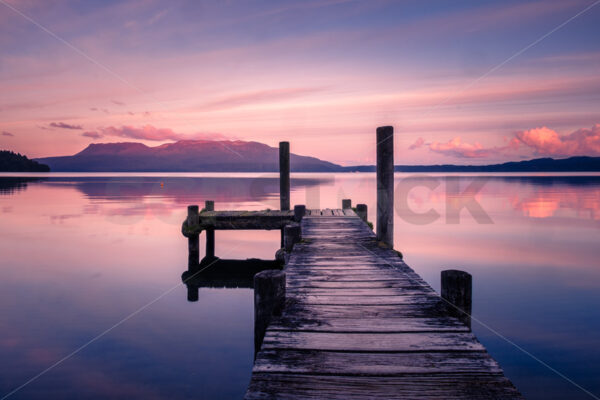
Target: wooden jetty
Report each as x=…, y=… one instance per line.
x=359, y=323
x=346, y=318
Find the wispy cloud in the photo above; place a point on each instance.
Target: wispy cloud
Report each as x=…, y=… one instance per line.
x=420, y=142
x=261, y=96
x=64, y=125
x=457, y=148
x=92, y=134
x=5, y=133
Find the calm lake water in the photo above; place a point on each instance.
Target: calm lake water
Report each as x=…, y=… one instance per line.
x=86, y=254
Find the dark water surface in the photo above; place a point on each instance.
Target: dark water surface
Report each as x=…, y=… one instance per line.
x=84, y=254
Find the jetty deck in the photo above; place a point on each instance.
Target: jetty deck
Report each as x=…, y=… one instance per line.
x=359, y=323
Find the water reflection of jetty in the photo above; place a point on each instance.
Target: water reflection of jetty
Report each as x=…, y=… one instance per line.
x=346, y=317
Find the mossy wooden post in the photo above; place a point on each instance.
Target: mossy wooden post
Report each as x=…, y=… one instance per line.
x=299, y=212
x=346, y=204
x=291, y=236
x=361, y=211
x=284, y=176
x=193, y=239
x=209, y=205
x=457, y=289
x=385, y=185
x=269, y=300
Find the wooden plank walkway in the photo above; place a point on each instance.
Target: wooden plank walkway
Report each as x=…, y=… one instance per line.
x=359, y=323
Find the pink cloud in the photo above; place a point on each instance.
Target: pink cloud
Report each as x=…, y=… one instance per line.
x=5, y=133
x=148, y=132
x=418, y=143
x=457, y=148
x=546, y=141
x=541, y=141
x=92, y=134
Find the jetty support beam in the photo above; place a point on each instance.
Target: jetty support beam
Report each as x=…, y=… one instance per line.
x=291, y=236
x=299, y=212
x=362, y=212
x=269, y=300
x=457, y=289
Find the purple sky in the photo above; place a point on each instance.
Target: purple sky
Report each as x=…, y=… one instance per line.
x=462, y=82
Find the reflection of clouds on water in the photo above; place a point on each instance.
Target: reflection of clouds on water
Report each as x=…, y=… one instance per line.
x=545, y=204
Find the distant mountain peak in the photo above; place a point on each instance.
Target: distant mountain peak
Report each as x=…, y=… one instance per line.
x=185, y=156
x=112, y=148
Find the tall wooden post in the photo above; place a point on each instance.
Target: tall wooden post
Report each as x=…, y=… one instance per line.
x=346, y=203
x=385, y=185
x=361, y=211
x=269, y=300
x=457, y=289
x=284, y=175
x=209, y=205
x=194, y=239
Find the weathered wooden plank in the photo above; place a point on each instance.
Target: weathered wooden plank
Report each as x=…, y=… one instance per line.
x=307, y=281
x=415, y=291
x=371, y=342
x=367, y=300
x=411, y=387
x=365, y=312
x=374, y=364
x=321, y=323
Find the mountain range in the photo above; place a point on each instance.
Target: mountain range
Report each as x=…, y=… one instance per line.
x=571, y=164
x=242, y=156
x=184, y=156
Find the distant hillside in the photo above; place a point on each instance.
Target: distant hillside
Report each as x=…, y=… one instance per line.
x=184, y=156
x=14, y=162
x=572, y=164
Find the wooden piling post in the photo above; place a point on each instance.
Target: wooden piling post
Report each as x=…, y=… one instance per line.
x=291, y=236
x=299, y=212
x=192, y=293
x=361, y=211
x=385, y=185
x=457, y=289
x=284, y=175
x=194, y=239
x=209, y=205
x=269, y=300
x=346, y=204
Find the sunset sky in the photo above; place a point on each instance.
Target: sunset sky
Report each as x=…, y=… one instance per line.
x=461, y=81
